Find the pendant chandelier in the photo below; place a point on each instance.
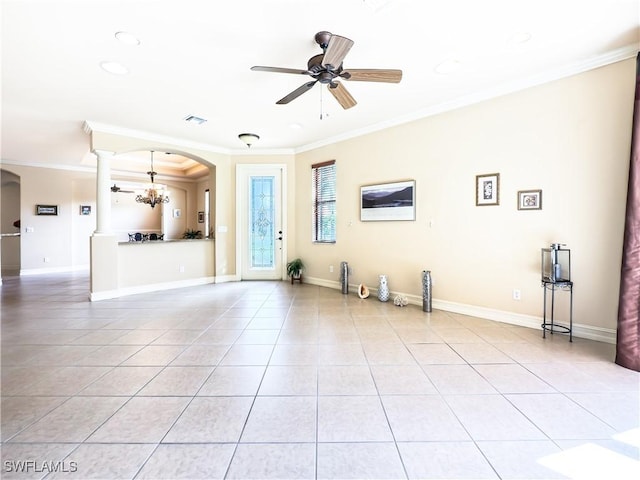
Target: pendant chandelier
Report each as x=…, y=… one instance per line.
x=154, y=193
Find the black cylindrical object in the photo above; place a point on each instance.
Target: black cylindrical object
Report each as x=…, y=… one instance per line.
x=344, y=277
x=426, y=291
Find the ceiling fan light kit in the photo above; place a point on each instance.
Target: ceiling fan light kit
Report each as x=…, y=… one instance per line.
x=326, y=68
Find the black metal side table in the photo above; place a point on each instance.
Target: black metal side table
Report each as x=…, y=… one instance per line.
x=552, y=327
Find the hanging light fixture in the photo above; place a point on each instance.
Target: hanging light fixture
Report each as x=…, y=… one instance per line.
x=154, y=194
x=249, y=138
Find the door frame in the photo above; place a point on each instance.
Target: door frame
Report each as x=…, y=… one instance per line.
x=242, y=170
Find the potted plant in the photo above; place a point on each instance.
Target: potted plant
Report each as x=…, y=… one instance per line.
x=188, y=233
x=294, y=269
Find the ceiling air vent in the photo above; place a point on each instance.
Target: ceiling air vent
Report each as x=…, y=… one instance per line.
x=194, y=119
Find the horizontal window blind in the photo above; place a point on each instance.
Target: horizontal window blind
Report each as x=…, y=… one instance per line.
x=324, y=201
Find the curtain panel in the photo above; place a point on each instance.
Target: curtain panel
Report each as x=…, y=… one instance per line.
x=628, y=334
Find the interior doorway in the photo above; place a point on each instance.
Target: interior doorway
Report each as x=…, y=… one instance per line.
x=10, y=224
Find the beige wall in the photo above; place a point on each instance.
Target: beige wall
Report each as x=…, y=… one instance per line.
x=62, y=240
x=569, y=138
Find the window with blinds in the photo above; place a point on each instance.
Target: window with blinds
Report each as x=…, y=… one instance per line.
x=324, y=202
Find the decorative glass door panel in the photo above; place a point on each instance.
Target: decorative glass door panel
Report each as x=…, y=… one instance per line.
x=262, y=233
x=260, y=221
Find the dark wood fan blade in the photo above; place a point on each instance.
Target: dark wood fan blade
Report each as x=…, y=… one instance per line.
x=117, y=189
x=296, y=93
x=259, y=68
x=336, y=51
x=372, y=75
x=342, y=95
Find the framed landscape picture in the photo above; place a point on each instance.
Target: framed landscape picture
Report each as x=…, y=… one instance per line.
x=388, y=201
x=46, y=210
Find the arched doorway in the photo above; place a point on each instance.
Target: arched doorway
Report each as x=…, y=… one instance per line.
x=10, y=223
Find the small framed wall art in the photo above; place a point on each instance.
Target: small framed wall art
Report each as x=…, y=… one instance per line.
x=200, y=217
x=46, y=210
x=85, y=209
x=530, y=200
x=488, y=189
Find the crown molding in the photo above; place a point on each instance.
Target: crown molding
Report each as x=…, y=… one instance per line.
x=90, y=126
x=52, y=166
x=575, y=68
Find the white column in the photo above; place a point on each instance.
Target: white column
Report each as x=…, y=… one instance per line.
x=103, y=197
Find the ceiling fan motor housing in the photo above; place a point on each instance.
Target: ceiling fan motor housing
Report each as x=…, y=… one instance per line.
x=322, y=39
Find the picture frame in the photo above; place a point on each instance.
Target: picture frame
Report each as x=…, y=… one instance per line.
x=393, y=201
x=46, y=209
x=530, y=200
x=200, y=217
x=487, y=189
x=85, y=209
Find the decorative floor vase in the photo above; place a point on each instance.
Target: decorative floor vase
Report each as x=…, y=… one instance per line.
x=383, y=289
x=426, y=291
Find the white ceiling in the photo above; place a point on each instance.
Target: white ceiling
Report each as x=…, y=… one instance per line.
x=195, y=57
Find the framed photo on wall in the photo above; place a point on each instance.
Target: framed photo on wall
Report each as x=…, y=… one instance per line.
x=488, y=189
x=46, y=210
x=530, y=200
x=388, y=201
x=85, y=209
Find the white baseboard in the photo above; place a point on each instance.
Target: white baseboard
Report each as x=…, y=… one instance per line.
x=154, y=287
x=227, y=278
x=606, y=335
x=44, y=271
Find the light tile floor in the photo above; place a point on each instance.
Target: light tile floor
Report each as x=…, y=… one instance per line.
x=260, y=380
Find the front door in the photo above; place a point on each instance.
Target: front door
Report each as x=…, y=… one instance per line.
x=261, y=229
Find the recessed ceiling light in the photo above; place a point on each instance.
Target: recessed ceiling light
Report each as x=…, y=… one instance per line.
x=377, y=5
x=114, y=67
x=448, y=66
x=128, y=38
x=520, y=37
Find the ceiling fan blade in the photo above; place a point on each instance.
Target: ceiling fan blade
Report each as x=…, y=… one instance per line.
x=117, y=189
x=372, y=75
x=336, y=51
x=296, y=93
x=259, y=68
x=342, y=95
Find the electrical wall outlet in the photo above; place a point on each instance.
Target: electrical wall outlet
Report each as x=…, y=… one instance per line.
x=330, y=268
x=516, y=294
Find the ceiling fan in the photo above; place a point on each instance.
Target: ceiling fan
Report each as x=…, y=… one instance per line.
x=116, y=189
x=327, y=68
